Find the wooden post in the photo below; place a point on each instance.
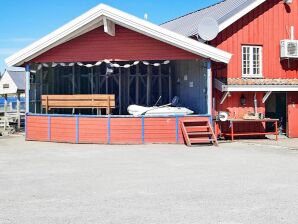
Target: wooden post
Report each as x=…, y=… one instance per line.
x=41, y=88
x=109, y=109
x=170, y=85
x=120, y=91
x=73, y=79
x=47, y=105
x=149, y=78
x=159, y=83
x=137, y=84
x=276, y=130
x=19, y=110
x=128, y=89
x=92, y=80
x=107, y=83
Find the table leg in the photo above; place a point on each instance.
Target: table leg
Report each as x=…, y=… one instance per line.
x=276, y=130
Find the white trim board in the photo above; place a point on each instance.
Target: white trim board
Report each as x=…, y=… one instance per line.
x=240, y=14
x=94, y=18
x=258, y=88
x=261, y=88
x=254, y=88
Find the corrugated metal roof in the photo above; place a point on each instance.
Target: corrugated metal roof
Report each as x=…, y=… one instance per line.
x=221, y=12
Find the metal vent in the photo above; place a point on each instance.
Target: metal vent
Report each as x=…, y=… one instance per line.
x=292, y=48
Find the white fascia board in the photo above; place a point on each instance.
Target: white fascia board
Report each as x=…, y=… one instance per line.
x=258, y=88
x=240, y=14
x=57, y=37
x=165, y=35
x=94, y=16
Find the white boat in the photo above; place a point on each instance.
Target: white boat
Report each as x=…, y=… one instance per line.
x=165, y=110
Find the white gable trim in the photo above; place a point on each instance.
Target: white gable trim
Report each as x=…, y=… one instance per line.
x=94, y=18
x=240, y=14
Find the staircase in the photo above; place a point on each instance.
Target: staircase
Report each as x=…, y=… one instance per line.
x=198, y=132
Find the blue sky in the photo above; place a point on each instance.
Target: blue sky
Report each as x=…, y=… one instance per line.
x=24, y=21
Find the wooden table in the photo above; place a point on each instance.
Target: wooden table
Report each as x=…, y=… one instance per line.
x=232, y=133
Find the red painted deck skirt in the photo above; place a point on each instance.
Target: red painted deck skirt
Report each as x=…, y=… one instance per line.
x=105, y=130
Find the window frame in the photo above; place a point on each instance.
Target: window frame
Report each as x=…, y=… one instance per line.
x=251, y=61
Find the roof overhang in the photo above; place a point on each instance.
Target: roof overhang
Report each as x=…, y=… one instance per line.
x=240, y=14
x=254, y=88
x=106, y=15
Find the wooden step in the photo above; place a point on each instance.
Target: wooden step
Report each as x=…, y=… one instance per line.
x=196, y=128
x=201, y=140
x=194, y=121
x=195, y=131
x=199, y=133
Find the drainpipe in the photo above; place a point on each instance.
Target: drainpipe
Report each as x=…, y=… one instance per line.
x=27, y=93
x=256, y=103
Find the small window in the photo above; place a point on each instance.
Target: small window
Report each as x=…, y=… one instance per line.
x=5, y=86
x=251, y=61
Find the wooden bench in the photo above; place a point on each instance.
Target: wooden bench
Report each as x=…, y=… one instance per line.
x=84, y=101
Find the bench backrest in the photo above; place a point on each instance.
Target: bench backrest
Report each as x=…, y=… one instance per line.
x=78, y=101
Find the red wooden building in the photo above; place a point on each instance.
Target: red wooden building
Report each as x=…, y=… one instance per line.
x=107, y=51
x=262, y=75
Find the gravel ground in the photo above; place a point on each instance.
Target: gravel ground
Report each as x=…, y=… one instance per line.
x=167, y=184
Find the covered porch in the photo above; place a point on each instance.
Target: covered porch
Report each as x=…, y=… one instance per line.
x=145, y=83
x=108, y=52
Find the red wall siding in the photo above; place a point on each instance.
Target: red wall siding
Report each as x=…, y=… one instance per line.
x=63, y=129
x=160, y=130
x=126, y=45
x=266, y=25
x=233, y=106
x=292, y=114
x=93, y=130
x=126, y=130
x=36, y=128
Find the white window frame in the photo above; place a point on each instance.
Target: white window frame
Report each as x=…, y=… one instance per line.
x=251, y=62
